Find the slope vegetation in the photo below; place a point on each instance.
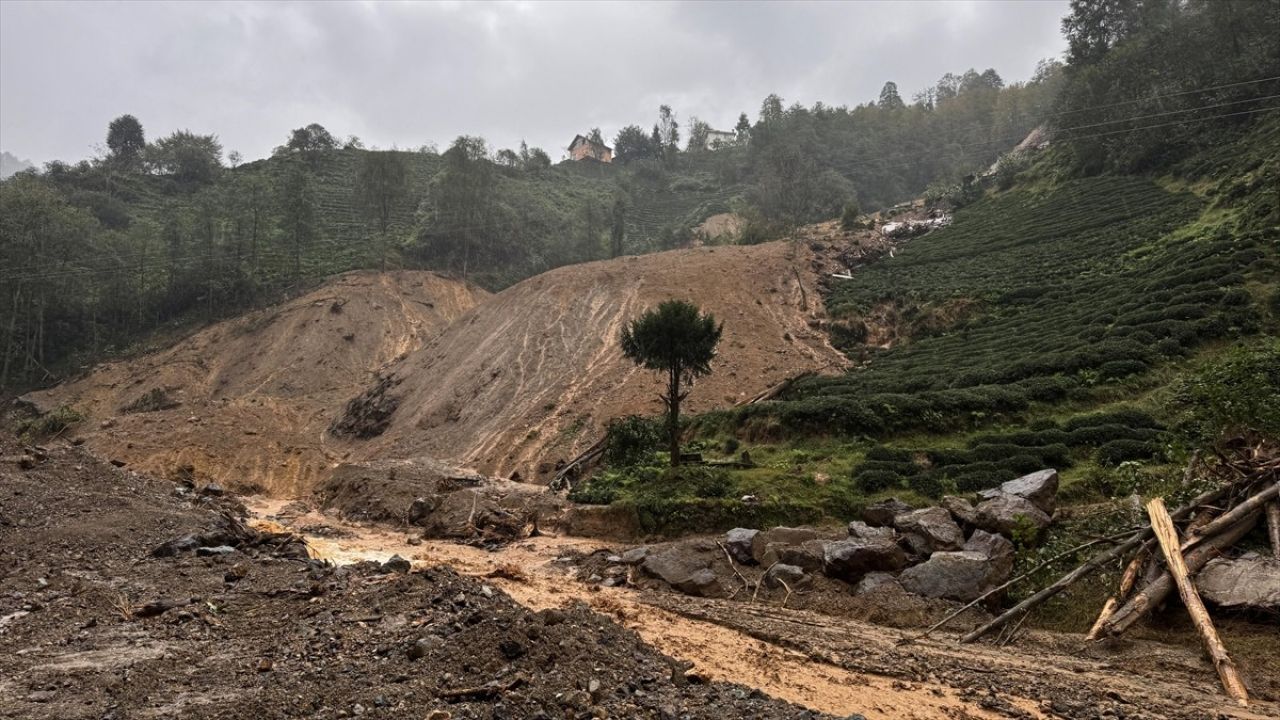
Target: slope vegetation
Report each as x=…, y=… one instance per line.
x=532, y=376
x=247, y=401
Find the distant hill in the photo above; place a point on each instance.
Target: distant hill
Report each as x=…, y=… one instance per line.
x=10, y=165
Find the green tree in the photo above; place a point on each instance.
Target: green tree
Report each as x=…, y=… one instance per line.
x=126, y=141
x=889, y=98
x=632, y=143
x=617, y=227
x=463, y=196
x=680, y=341
x=382, y=184
x=698, y=133
x=312, y=142
x=743, y=128
x=668, y=130
x=298, y=213
x=190, y=159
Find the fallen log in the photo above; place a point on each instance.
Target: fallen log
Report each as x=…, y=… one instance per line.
x=1090, y=566
x=1006, y=585
x=1167, y=535
x=1127, y=582
x=1273, y=526
x=1158, y=590
x=1231, y=517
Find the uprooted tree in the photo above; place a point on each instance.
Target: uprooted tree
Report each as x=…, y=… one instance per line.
x=679, y=340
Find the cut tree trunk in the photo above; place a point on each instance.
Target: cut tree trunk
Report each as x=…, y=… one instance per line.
x=1127, y=582
x=1158, y=590
x=1167, y=535
x=1089, y=567
x=1273, y=526
x=1231, y=517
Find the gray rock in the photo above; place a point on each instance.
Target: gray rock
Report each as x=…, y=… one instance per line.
x=1252, y=582
x=960, y=509
x=863, y=531
x=933, y=524
x=1004, y=513
x=808, y=555
x=915, y=545
x=635, y=555
x=685, y=570
x=874, y=581
x=397, y=564
x=784, y=535
x=960, y=575
x=738, y=542
x=781, y=573
x=213, y=490
x=850, y=559
x=881, y=514
x=419, y=510
x=998, y=551
x=1040, y=487
x=702, y=583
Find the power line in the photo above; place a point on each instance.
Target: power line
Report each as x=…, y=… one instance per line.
x=1167, y=95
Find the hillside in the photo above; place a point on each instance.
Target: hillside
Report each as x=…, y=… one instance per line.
x=532, y=376
x=246, y=402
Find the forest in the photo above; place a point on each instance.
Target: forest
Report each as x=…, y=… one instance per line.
x=159, y=235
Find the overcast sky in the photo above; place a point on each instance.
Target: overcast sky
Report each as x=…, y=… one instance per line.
x=410, y=74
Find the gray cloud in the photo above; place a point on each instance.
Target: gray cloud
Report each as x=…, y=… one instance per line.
x=409, y=74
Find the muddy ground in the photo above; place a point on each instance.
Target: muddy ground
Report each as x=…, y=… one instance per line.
x=92, y=625
x=262, y=632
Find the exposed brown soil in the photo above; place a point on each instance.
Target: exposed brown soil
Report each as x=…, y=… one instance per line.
x=532, y=376
x=253, y=397
x=93, y=626
x=827, y=658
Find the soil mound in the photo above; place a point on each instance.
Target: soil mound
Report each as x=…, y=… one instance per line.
x=532, y=376
x=247, y=402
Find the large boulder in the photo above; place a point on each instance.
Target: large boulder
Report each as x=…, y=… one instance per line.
x=784, y=575
x=961, y=575
x=962, y=510
x=863, y=531
x=934, y=525
x=1040, y=488
x=998, y=551
x=874, y=581
x=782, y=536
x=850, y=559
x=807, y=555
x=881, y=514
x=1251, y=581
x=684, y=568
x=1004, y=513
x=738, y=542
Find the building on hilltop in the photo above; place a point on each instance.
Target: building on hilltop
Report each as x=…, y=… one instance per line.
x=721, y=138
x=583, y=148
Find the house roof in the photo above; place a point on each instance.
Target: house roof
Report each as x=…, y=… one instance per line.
x=584, y=139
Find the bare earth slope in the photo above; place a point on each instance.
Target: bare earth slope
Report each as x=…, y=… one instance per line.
x=533, y=375
x=255, y=395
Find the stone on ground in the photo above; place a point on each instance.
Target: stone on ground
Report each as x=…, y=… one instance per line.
x=784, y=535
x=1251, y=581
x=881, y=514
x=738, y=542
x=1040, y=488
x=850, y=559
x=1006, y=513
x=960, y=575
x=934, y=525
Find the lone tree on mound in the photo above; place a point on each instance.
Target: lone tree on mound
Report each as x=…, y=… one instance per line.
x=679, y=340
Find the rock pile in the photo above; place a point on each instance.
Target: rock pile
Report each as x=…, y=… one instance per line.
x=954, y=551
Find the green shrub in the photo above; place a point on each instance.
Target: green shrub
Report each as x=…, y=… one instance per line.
x=50, y=423
x=1118, y=451
x=632, y=440
x=874, y=481
x=1237, y=393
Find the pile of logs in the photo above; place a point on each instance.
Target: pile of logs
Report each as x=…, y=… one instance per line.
x=1246, y=492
